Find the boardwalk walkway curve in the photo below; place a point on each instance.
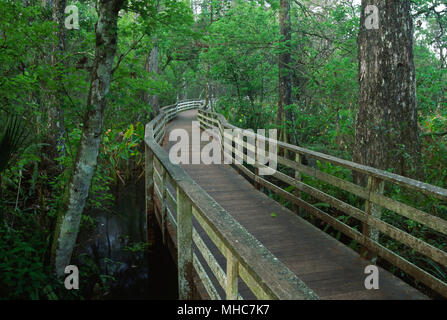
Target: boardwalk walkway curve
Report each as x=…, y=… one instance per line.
x=225, y=236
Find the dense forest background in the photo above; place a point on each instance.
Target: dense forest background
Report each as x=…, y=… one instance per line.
x=219, y=50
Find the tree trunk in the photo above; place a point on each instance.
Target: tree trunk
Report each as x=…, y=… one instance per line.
x=207, y=85
x=285, y=76
x=208, y=66
x=386, y=126
x=152, y=67
x=78, y=188
x=56, y=112
x=184, y=89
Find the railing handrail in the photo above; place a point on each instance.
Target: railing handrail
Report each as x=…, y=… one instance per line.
x=372, y=194
x=265, y=275
x=423, y=187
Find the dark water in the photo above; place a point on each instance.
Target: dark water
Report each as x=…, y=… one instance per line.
x=128, y=268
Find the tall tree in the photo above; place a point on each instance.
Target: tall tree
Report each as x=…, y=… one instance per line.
x=152, y=67
x=285, y=75
x=78, y=188
x=56, y=113
x=386, y=125
x=386, y=134
x=207, y=86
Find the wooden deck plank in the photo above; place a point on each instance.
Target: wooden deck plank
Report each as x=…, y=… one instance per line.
x=331, y=269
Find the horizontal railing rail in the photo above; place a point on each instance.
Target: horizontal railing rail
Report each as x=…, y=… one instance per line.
x=373, y=196
x=173, y=198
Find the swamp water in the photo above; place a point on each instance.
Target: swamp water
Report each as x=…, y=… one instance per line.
x=129, y=269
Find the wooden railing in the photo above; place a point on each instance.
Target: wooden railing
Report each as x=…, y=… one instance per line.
x=373, y=196
x=173, y=197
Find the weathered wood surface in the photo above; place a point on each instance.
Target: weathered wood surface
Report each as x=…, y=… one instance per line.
x=263, y=273
x=329, y=268
x=370, y=218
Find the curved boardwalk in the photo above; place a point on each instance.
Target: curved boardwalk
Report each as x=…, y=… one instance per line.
x=331, y=269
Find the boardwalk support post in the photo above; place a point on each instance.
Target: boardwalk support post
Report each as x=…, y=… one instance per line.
x=232, y=276
x=149, y=194
x=374, y=185
x=296, y=207
x=256, y=183
x=184, y=246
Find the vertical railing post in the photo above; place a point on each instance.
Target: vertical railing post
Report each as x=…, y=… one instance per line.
x=296, y=207
x=184, y=245
x=256, y=183
x=231, y=289
x=374, y=185
x=222, y=140
x=236, y=151
x=149, y=194
x=163, y=204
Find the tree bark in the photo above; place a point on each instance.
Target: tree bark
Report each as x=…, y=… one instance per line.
x=386, y=125
x=56, y=112
x=285, y=75
x=152, y=67
x=208, y=66
x=78, y=188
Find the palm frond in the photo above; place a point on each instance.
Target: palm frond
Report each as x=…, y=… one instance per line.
x=14, y=136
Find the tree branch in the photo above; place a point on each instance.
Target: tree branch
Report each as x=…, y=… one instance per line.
x=122, y=56
x=438, y=134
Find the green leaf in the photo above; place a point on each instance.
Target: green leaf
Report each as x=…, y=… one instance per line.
x=322, y=205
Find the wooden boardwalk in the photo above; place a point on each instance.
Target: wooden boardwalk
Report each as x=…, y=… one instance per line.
x=331, y=269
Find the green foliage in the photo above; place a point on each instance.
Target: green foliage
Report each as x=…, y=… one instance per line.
x=119, y=147
x=240, y=57
x=230, y=50
x=34, y=81
x=21, y=266
x=136, y=247
x=11, y=141
x=24, y=274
